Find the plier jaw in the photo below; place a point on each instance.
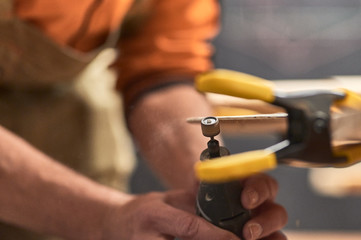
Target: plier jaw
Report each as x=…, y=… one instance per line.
x=308, y=141
x=309, y=136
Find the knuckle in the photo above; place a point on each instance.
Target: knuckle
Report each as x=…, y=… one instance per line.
x=276, y=236
x=281, y=215
x=263, y=184
x=271, y=185
x=284, y=216
x=188, y=227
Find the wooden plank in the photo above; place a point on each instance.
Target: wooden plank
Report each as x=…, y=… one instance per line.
x=250, y=124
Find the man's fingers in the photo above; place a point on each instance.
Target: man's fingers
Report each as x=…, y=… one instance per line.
x=186, y=226
x=276, y=236
x=182, y=200
x=258, y=194
x=271, y=217
x=257, y=189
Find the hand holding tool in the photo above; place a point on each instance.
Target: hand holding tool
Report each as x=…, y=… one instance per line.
x=308, y=139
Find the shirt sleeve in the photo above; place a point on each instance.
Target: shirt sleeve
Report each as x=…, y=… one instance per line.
x=170, y=44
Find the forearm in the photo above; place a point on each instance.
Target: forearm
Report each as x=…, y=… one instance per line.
x=167, y=141
x=42, y=195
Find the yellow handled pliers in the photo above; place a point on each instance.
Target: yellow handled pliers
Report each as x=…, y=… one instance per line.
x=308, y=140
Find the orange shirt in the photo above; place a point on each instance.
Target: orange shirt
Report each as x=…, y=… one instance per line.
x=167, y=37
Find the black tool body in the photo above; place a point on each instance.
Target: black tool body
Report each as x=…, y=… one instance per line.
x=220, y=203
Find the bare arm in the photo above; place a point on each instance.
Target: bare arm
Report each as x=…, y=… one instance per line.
x=167, y=141
x=44, y=196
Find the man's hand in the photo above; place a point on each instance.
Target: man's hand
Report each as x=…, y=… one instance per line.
x=171, y=214
x=161, y=216
x=268, y=217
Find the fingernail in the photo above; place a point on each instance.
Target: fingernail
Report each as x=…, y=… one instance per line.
x=253, y=197
x=255, y=230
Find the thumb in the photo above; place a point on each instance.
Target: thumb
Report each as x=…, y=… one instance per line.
x=187, y=226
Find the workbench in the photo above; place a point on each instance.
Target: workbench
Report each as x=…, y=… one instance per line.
x=294, y=235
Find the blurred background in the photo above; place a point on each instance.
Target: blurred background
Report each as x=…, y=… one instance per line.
x=288, y=39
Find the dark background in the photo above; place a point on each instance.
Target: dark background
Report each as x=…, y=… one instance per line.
x=293, y=39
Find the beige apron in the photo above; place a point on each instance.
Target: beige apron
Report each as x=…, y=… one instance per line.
x=61, y=104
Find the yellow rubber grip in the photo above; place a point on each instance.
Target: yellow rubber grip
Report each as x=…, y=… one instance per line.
x=352, y=100
x=352, y=152
x=235, y=84
x=235, y=166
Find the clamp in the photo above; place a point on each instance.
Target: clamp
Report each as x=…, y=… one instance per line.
x=308, y=140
